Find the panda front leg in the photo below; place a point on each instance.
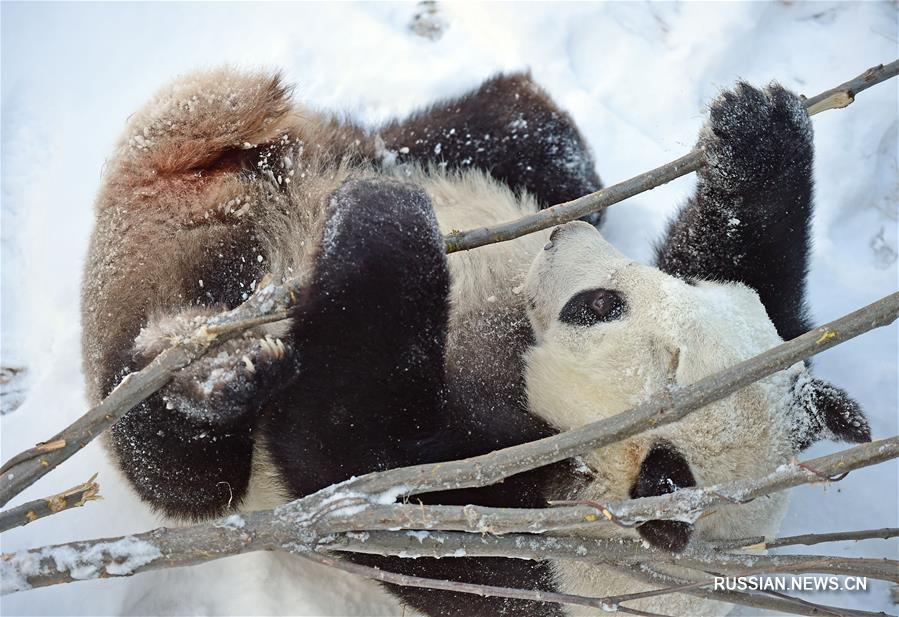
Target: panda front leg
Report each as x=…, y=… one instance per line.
x=370, y=335
x=749, y=218
x=509, y=127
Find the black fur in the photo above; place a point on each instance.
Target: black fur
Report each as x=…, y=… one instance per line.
x=370, y=338
x=663, y=471
x=371, y=392
x=827, y=412
x=749, y=219
x=510, y=127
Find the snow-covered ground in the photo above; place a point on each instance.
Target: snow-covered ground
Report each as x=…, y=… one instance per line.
x=636, y=78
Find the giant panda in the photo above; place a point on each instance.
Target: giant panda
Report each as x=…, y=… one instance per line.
x=397, y=354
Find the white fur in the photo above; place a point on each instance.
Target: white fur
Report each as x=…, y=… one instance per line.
x=494, y=273
x=576, y=375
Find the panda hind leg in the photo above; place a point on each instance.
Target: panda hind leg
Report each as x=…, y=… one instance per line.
x=509, y=127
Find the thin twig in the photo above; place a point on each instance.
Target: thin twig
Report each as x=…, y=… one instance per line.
x=325, y=512
x=759, y=543
x=841, y=96
x=589, y=550
x=29, y=512
x=405, y=580
x=127, y=555
x=844, y=94
x=772, y=601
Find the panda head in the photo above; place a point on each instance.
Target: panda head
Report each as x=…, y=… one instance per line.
x=611, y=332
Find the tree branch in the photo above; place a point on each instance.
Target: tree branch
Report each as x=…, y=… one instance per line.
x=841, y=96
x=772, y=601
x=609, y=604
x=701, y=557
x=759, y=543
x=269, y=303
x=301, y=525
x=663, y=408
x=75, y=497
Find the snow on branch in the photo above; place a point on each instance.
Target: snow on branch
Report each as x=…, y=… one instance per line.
x=589, y=550
x=779, y=602
x=313, y=533
x=272, y=303
x=835, y=98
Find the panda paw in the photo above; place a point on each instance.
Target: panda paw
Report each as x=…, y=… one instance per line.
x=233, y=380
x=755, y=139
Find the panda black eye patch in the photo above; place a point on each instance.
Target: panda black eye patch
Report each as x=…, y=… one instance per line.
x=593, y=306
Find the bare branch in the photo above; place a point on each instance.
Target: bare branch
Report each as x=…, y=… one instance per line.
x=269, y=303
x=758, y=543
x=844, y=94
x=75, y=497
x=589, y=550
x=773, y=601
x=127, y=555
x=303, y=524
x=841, y=96
x=321, y=512
x=325, y=512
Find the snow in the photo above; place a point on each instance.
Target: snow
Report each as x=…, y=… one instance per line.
x=125, y=555
x=636, y=78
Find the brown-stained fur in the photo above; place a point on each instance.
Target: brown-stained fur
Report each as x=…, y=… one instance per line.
x=165, y=217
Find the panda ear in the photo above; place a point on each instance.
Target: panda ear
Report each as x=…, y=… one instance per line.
x=827, y=412
x=664, y=470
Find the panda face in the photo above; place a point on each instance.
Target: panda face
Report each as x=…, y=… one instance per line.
x=627, y=329
x=611, y=332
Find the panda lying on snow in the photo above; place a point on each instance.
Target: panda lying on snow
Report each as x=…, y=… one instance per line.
x=398, y=354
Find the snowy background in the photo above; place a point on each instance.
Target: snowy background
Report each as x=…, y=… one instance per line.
x=636, y=78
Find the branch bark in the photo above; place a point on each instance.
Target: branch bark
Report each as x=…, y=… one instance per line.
x=841, y=96
x=589, y=550
x=609, y=604
x=782, y=603
x=368, y=501
x=759, y=543
x=771, y=601
x=29, y=512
